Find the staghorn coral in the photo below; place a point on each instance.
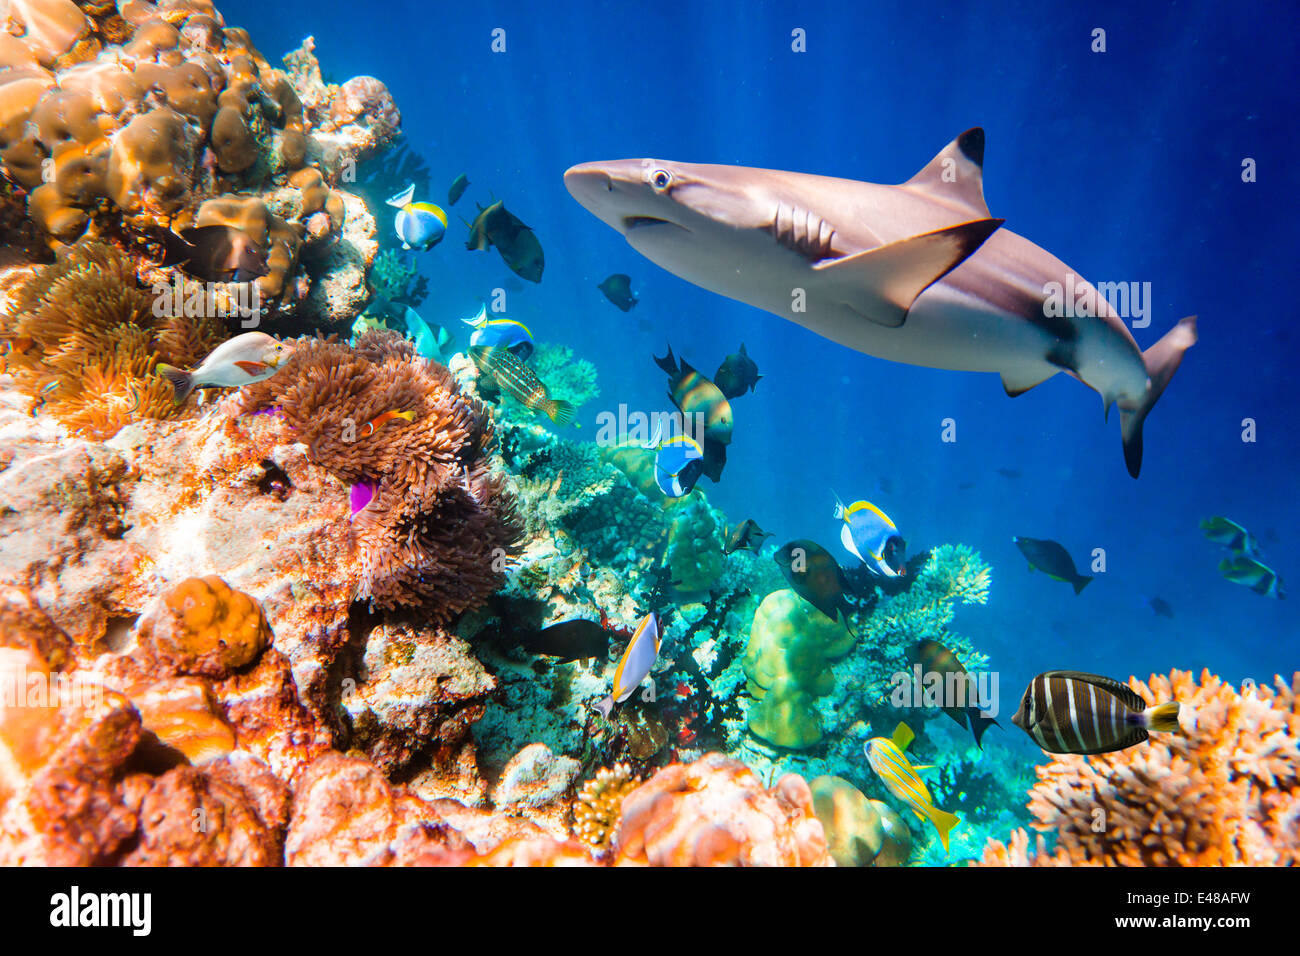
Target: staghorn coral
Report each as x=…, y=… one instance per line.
x=599, y=805
x=1227, y=793
x=85, y=340
x=439, y=522
x=716, y=812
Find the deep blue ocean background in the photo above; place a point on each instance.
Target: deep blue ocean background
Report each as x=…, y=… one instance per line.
x=1126, y=164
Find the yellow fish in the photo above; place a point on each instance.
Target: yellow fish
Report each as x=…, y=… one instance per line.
x=886, y=758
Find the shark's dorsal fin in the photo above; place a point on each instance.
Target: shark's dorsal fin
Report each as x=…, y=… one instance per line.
x=882, y=283
x=956, y=176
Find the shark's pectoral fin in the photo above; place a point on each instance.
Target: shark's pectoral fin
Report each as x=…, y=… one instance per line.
x=956, y=176
x=1019, y=381
x=882, y=283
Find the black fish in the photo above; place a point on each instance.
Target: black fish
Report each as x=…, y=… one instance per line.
x=935, y=658
x=458, y=187
x=737, y=373
x=1069, y=712
x=215, y=254
x=517, y=244
x=1053, y=560
x=1161, y=607
x=747, y=535
x=569, y=640
x=817, y=578
x=1009, y=472
x=618, y=289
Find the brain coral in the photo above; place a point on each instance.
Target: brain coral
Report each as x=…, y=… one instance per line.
x=439, y=523
x=1226, y=794
x=716, y=812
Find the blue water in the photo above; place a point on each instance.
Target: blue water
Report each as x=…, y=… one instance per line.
x=1125, y=164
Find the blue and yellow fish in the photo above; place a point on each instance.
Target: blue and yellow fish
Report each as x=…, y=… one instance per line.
x=420, y=225
x=638, y=659
x=679, y=462
x=503, y=333
x=870, y=535
x=886, y=758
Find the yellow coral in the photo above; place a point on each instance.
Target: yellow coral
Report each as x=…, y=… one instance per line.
x=1226, y=794
x=203, y=626
x=599, y=805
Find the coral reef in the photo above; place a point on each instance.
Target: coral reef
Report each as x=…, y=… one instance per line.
x=1226, y=793
x=568, y=377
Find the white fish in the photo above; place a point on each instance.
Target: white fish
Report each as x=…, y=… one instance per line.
x=916, y=273
x=246, y=358
x=638, y=659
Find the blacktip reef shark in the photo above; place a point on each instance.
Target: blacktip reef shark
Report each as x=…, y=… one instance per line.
x=917, y=273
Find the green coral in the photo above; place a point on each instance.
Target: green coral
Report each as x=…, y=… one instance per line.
x=567, y=378
x=788, y=666
x=392, y=277
x=696, y=538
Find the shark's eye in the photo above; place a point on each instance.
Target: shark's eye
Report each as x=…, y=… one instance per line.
x=661, y=179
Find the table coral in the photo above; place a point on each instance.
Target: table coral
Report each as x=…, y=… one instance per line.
x=1225, y=793
x=716, y=812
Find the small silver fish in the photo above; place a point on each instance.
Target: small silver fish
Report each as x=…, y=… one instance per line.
x=246, y=358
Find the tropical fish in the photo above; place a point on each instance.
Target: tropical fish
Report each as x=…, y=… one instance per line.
x=870, y=535
x=1160, y=607
x=376, y=423
x=1069, y=712
x=747, y=535
x=694, y=394
x=458, y=187
x=1258, y=577
x=1231, y=535
x=918, y=273
x=246, y=358
x=215, y=253
x=618, y=289
x=901, y=779
x=573, y=640
x=638, y=659
x=431, y=340
x=518, y=244
x=679, y=462
x=817, y=578
x=420, y=225
x=737, y=373
x=935, y=658
x=1009, y=472
x=502, y=332
x=1053, y=560
x=521, y=382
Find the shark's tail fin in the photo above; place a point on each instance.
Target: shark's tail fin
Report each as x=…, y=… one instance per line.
x=1161, y=360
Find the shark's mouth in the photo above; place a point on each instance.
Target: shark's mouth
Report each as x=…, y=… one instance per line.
x=640, y=222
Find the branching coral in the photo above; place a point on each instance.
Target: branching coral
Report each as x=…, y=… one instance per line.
x=568, y=378
x=439, y=523
x=1227, y=793
x=84, y=341
x=600, y=804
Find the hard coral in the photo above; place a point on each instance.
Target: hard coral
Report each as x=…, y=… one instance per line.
x=202, y=626
x=599, y=806
x=1227, y=793
x=439, y=524
x=716, y=812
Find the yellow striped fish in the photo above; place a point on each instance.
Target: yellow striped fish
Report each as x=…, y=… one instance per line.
x=1070, y=712
x=886, y=758
x=521, y=382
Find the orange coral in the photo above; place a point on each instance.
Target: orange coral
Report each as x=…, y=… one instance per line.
x=203, y=626
x=716, y=812
x=1226, y=794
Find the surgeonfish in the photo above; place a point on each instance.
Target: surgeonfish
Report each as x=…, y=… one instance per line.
x=372, y=426
x=246, y=358
x=420, y=225
x=458, y=187
x=521, y=382
x=1231, y=535
x=618, y=289
x=503, y=332
x=1260, y=578
x=1160, y=607
x=638, y=659
x=747, y=535
x=817, y=577
x=1053, y=560
x=573, y=640
x=872, y=537
x=692, y=393
x=935, y=658
x=517, y=243
x=679, y=462
x=431, y=340
x=215, y=253
x=1069, y=712
x=891, y=765
x=737, y=373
